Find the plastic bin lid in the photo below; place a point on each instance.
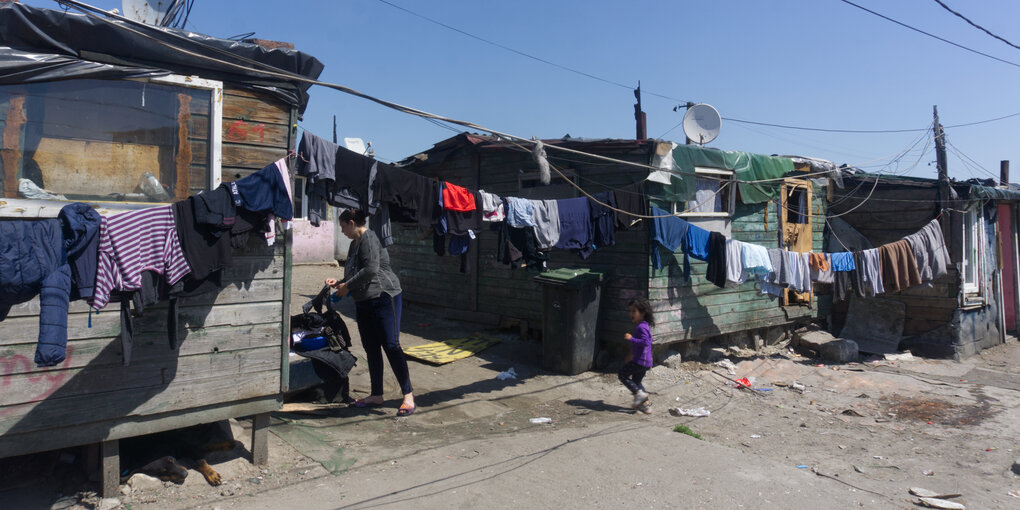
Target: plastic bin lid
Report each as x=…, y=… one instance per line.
x=570, y=276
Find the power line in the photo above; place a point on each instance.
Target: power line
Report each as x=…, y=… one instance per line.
x=523, y=54
x=975, y=25
x=947, y=41
x=824, y=130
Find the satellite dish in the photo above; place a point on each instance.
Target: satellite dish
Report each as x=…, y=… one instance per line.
x=701, y=123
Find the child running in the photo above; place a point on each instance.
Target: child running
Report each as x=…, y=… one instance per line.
x=640, y=358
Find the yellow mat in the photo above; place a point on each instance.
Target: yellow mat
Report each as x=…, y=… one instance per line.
x=441, y=353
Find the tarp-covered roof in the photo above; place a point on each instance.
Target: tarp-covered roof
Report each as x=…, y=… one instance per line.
x=38, y=45
x=993, y=193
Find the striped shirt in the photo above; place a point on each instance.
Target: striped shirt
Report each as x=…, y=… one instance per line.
x=133, y=242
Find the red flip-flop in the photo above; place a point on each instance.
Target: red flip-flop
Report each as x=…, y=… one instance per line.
x=406, y=411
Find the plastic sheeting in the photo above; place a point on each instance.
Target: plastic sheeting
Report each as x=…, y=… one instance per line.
x=988, y=192
x=38, y=45
x=745, y=166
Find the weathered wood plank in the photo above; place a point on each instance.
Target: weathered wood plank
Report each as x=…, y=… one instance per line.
x=67, y=435
x=107, y=324
x=250, y=109
x=17, y=359
x=57, y=411
x=238, y=131
x=92, y=380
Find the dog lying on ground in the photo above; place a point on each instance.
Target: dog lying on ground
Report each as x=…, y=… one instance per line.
x=175, y=451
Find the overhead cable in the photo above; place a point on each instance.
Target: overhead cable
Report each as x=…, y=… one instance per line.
x=975, y=25
x=947, y=41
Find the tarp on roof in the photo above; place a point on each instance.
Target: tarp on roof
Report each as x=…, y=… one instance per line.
x=988, y=192
x=38, y=45
x=745, y=166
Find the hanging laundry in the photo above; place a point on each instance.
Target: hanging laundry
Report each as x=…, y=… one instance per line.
x=822, y=275
x=267, y=190
x=899, y=267
x=463, y=222
x=380, y=224
x=755, y=259
x=317, y=163
x=205, y=250
x=518, y=247
x=669, y=232
x=457, y=198
x=492, y=207
x=930, y=254
x=871, y=272
x=519, y=212
x=36, y=258
x=770, y=283
x=602, y=222
x=400, y=188
x=842, y=261
x=575, y=231
x=630, y=199
x=546, y=215
x=429, y=204
x=355, y=176
x=462, y=245
x=217, y=208
x=796, y=272
x=819, y=261
x=81, y=243
x=716, y=272
x=734, y=263
x=135, y=241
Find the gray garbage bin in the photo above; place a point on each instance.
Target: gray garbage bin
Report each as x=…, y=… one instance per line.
x=570, y=316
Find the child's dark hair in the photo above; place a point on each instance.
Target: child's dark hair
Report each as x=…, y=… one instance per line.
x=642, y=305
x=356, y=215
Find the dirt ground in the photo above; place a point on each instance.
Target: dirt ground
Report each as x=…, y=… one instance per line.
x=855, y=435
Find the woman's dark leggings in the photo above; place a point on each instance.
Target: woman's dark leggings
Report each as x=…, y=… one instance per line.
x=631, y=375
x=379, y=324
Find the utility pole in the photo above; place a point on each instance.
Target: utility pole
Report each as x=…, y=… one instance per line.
x=946, y=193
x=940, y=148
x=639, y=116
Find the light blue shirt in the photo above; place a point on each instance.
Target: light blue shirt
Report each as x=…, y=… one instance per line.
x=519, y=212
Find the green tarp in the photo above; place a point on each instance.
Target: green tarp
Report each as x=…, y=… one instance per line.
x=745, y=166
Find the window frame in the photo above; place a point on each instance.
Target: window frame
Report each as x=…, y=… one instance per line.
x=971, y=259
x=33, y=208
x=679, y=208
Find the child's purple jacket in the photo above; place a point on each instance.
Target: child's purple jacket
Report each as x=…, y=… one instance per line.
x=641, y=345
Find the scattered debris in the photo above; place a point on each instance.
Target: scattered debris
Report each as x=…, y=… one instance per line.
x=928, y=472
x=1016, y=467
x=755, y=436
x=542, y=419
x=798, y=387
x=802, y=466
x=925, y=493
x=942, y=503
x=728, y=365
x=141, y=481
x=108, y=503
x=684, y=429
x=509, y=373
x=853, y=412
x=1015, y=493
x=680, y=411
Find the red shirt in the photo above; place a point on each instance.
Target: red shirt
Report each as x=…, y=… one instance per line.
x=456, y=198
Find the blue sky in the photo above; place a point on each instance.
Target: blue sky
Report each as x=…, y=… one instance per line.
x=811, y=63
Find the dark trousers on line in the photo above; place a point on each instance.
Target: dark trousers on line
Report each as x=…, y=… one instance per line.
x=379, y=324
x=631, y=375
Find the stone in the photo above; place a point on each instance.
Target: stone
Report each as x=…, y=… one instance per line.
x=713, y=353
x=674, y=361
x=125, y=489
x=142, y=482
x=1016, y=466
x=811, y=337
x=109, y=504
x=775, y=335
x=64, y=502
x=840, y=350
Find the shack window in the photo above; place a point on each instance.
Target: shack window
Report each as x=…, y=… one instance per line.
x=110, y=140
x=972, y=242
x=713, y=197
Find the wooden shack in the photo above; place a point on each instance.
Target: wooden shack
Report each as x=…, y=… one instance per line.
x=95, y=133
x=687, y=313
x=962, y=312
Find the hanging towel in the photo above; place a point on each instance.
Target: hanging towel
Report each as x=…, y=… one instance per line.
x=899, y=267
x=602, y=223
x=871, y=275
x=631, y=199
x=822, y=275
x=756, y=259
x=546, y=215
x=819, y=261
x=574, y=224
x=843, y=261
x=796, y=271
x=734, y=263
x=716, y=272
x=930, y=254
x=458, y=198
x=519, y=212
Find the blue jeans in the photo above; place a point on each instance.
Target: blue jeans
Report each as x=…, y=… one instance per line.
x=379, y=325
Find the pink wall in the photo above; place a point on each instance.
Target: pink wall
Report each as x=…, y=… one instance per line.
x=313, y=245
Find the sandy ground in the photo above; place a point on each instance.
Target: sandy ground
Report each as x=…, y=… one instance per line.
x=858, y=435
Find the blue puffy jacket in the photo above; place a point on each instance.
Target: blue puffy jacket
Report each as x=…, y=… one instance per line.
x=34, y=261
